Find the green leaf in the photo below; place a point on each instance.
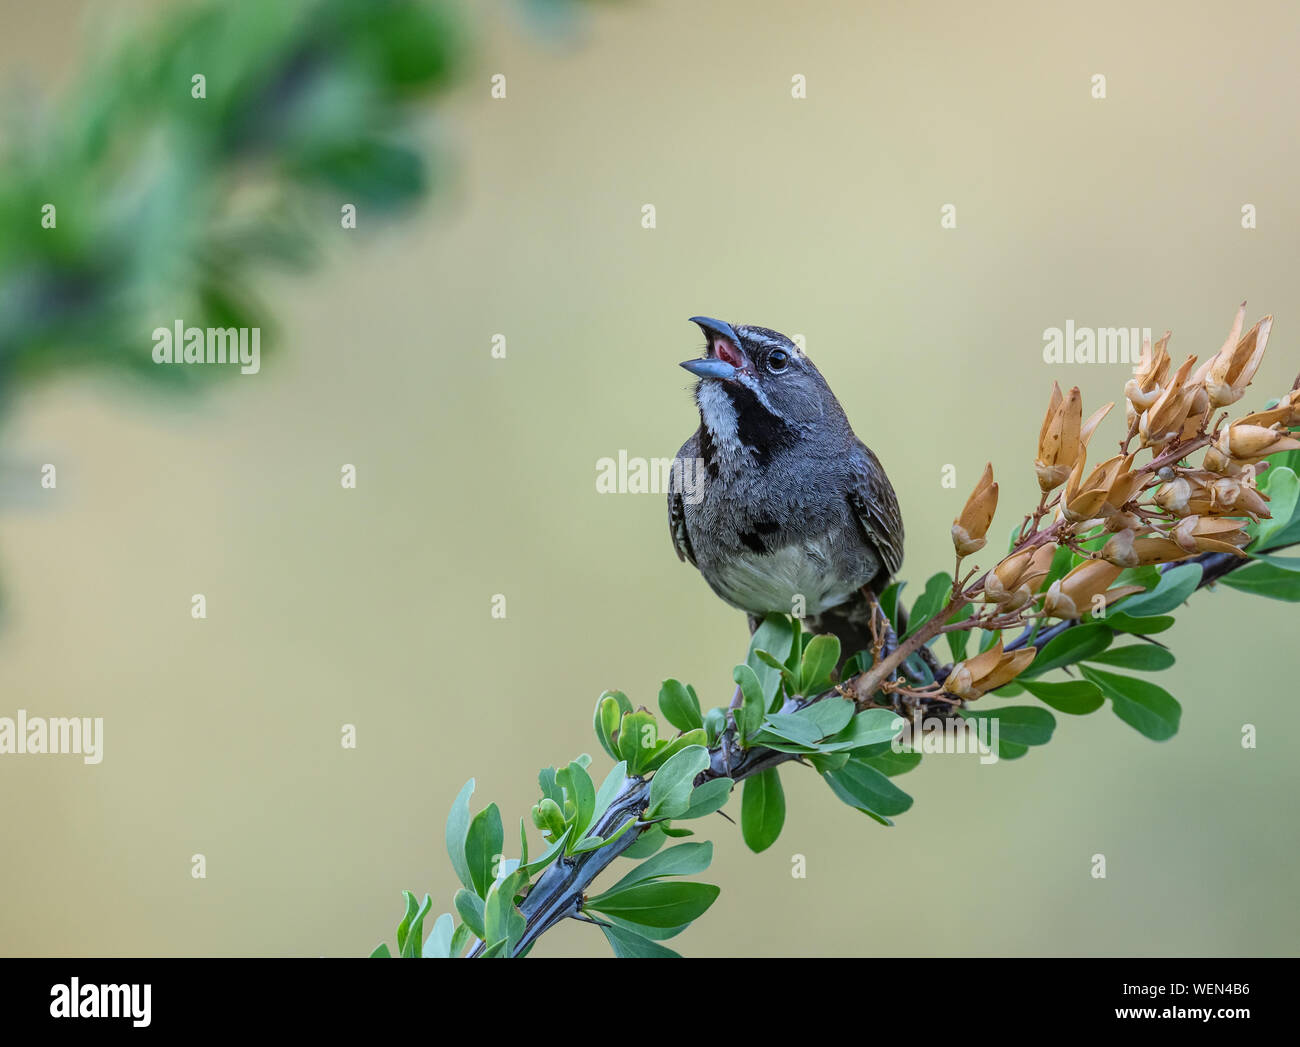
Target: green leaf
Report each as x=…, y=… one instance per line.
x=548, y=816
x=380, y=173
x=1176, y=585
x=550, y=854
x=890, y=763
x=438, y=945
x=1286, y=563
x=823, y=762
x=819, y=659
x=411, y=906
x=457, y=830
x=638, y=736
x=937, y=590
x=660, y=903
x=1073, y=645
x=581, y=793
x=707, y=798
x=380, y=952
x=1076, y=697
x=750, y=713
x=460, y=939
x=670, y=788
x=1150, y=709
x=866, y=728
x=470, y=907
x=829, y=716
x=610, y=708
x=791, y=728
x=647, y=843
x=1018, y=724
x=1283, y=492
x=483, y=847
x=775, y=635
x=1265, y=579
x=889, y=602
x=680, y=706
x=797, y=640
x=762, y=809
x=1122, y=623
x=1062, y=562
x=630, y=946
x=715, y=722
x=790, y=679
x=501, y=919
x=862, y=786
x=609, y=790
x=684, y=859
x=665, y=750
x=550, y=787
x=1144, y=657
x=411, y=933
x=958, y=640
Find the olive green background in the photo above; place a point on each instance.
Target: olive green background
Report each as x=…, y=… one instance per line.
x=476, y=477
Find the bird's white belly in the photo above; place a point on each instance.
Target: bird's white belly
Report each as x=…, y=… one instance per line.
x=772, y=582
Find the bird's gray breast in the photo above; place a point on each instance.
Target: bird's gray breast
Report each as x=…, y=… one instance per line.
x=775, y=541
x=805, y=577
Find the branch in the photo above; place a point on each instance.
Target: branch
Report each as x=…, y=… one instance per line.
x=560, y=891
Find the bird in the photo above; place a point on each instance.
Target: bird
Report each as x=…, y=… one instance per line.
x=774, y=499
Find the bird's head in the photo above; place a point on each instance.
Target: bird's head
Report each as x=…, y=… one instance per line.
x=758, y=386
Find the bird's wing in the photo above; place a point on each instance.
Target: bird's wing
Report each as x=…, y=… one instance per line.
x=677, y=507
x=874, y=504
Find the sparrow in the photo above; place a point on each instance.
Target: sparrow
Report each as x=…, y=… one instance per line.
x=774, y=499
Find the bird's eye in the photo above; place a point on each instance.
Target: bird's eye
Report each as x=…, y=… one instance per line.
x=778, y=360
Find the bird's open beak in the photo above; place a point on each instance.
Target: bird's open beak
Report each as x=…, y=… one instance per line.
x=725, y=357
x=710, y=368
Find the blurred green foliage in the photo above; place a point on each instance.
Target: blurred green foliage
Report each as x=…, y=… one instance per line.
x=168, y=205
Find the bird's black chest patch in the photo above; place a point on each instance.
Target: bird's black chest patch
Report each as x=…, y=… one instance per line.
x=758, y=429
